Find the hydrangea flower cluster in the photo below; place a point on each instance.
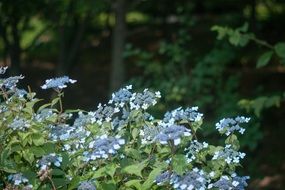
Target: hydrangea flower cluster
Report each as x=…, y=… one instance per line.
x=229, y=125
x=229, y=155
x=148, y=134
x=103, y=114
x=44, y=115
x=102, y=147
x=194, y=179
x=122, y=97
x=46, y=161
x=230, y=183
x=135, y=101
x=200, y=180
x=11, y=82
x=20, y=124
x=172, y=133
x=194, y=149
x=189, y=114
x=61, y=132
x=57, y=83
x=86, y=185
x=19, y=179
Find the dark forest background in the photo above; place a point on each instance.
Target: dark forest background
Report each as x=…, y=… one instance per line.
x=227, y=57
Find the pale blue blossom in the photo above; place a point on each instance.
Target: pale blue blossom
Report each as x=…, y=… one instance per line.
x=102, y=147
x=11, y=82
x=172, y=133
x=18, y=179
x=20, y=124
x=179, y=114
x=86, y=185
x=230, y=155
x=57, y=83
x=49, y=160
x=229, y=125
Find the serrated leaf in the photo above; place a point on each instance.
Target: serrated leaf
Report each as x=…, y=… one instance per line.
x=111, y=169
x=280, y=49
x=28, y=156
x=37, y=151
x=135, y=169
x=134, y=183
x=38, y=139
x=74, y=183
x=264, y=59
x=151, y=177
x=179, y=163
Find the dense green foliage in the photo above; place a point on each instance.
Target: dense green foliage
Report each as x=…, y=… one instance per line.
x=118, y=146
x=226, y=57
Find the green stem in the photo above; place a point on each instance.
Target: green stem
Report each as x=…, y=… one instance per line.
x=261, y=42
x=52, y=184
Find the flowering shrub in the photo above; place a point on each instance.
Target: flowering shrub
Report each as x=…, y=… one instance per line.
x=117, y=146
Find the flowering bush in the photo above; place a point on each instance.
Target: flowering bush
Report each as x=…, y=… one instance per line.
x=117, y=146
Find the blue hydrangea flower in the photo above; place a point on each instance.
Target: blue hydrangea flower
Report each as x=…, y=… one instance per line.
x=195, y=179
x=234, y=183
x=194, y=148
x=57, y=83
x=229, y=125
x=172, y=133
x=61, y=132
x=121, y=97
x=229, y=155
x=44, y=115
x=18, y=179
x=143, y=100
x=239, y=182
x=102, y=147
x=148, y=134
x=20, y=93
x=163, y=178
x=86, y=185
x=48, y=160
x=179, y=114
x=103, y=113
x=19, y=124
x=11, y=82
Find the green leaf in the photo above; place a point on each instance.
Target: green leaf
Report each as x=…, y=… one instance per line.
x=179, y=163
x=28, y=156
x=264, y=59
x=111, y=169
x=99, y=173
x=134, y=183
x=151, y=177
x=74, y=183
x=233, y=140
x=135, y=169
x=280, y=49
x=65, y=160
x=38, y=139
x=54, y=101
x=37, y=151
x=58, y=172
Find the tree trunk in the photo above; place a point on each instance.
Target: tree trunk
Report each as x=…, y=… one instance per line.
x=118, y=45
x=61, y=65
x=15, y=49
